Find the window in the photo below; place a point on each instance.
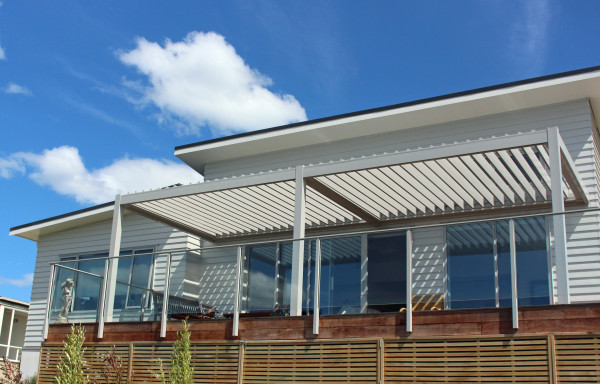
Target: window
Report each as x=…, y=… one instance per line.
x=133, y=280
x=87, y=287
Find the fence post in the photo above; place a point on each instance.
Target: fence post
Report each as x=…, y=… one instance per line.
x=552, y=374
x=241, y=353
x=130, y=366
x=380, y=361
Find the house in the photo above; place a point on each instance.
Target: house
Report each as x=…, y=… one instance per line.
x=454, y=238
x=13, y=318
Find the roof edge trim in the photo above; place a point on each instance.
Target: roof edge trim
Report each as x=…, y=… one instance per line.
x=395, y=106
x=63, y=216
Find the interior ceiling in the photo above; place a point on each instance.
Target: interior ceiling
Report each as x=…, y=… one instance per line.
x=512, y=177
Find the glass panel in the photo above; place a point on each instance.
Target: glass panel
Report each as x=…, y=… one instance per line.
x=69, y=293
x=386, y=272
x=140, y=278
x=88, y=291
x=532, y=262
x=341, y=275
x=13, y=354
x=60, y=275
x=471, y=267
x=123, y=275
x=262, y=269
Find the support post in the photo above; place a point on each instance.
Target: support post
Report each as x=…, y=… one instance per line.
x=238, y=285
x=1, y=318
x=298, y=245
x=317, y=291
x=165, y=303
x=558, y=206
x=409, y=295
x=109, y=282
x=513, y=274
x=48, y=301
x=10, y=327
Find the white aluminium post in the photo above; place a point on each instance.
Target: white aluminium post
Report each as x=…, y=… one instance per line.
x=109, y=282
x=558, y=206
x=409, y=254
x=49, y=300
x=106, y=302
x=10, y=329
x=513, y=274
x=165, y=303
x=298, y=247
x=1, y=318
x=236, y=299
x=317, y=291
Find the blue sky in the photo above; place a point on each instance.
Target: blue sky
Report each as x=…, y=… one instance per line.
x=94, y=96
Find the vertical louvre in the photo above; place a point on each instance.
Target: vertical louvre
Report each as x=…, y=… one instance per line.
x=578, y=359
x=467, y=361
x=311, y=362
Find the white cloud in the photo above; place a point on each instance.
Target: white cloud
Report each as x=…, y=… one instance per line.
x=202, y=82
x=15, y=89
x=63, y=170
x=2, y=53
x=10, y=166
x=529, y=35
x=25, y=281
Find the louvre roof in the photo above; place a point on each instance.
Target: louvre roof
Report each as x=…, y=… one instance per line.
x=420, y=183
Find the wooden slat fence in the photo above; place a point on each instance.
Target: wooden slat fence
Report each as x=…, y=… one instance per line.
x=531, y=359
x=578, y=359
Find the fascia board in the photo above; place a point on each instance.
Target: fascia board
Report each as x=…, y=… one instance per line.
x=33, y=231
x=582, y=86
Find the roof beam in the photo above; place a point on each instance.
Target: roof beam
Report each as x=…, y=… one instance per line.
x=341, y=200
x=210, y=186
x=438, y=152
x=172, y=223
x=570, y=173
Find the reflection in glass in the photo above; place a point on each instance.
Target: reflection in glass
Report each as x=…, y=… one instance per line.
x=471, y=269
x=341, y=276
x=532, y=262
x=387, y=272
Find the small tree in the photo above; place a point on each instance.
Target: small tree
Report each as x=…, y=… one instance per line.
x=181, y=372
x=70, y=368
x=112, y=371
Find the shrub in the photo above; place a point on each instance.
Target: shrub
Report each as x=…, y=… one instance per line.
x=70, y=368
x=112, y=371
x=10, y=372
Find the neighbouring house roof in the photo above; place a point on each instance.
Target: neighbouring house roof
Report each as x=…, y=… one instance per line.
x=530, y=93
x=14, y=303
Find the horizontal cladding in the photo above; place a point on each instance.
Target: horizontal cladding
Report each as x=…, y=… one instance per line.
x=94, y=238
x=572, y=116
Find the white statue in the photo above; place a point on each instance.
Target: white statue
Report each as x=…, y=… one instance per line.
x=67, y=301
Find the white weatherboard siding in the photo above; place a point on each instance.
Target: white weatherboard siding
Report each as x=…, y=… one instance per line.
x=138, y=232
x=577, y=129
